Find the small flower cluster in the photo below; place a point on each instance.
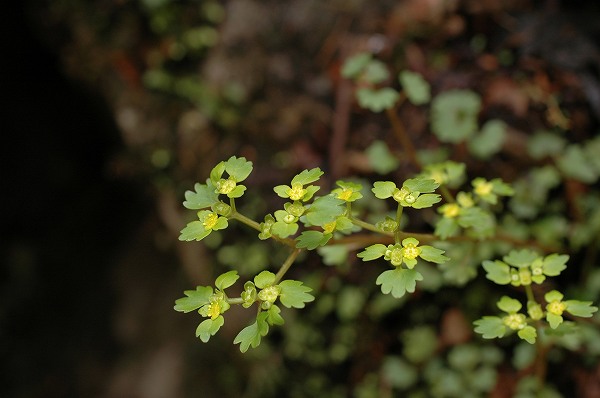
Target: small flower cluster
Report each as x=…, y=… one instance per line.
x=522, y=268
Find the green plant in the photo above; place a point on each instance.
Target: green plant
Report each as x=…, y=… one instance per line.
x=466, y=231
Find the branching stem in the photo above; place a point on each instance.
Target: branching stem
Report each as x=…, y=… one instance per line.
x=286, y=265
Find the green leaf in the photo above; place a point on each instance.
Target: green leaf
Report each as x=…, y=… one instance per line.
x=554, y=264
x=294, y=294
x=282, y=191
x=426, y=200
x=398, y=281
x=238, y=168
x=250, y=336
x=575, y=164
x=372, y=252
x=334, y=254
x=446, y=228
x=264, y=279
x=226, y=280
x=203, y=197
x=544, y=143
x=354, y=65
x=283, y=230
x=209, y=327
x=398, y=373
x=489, y=141
x=509, y=305
x=194, y=300
x=422, y=185
x=273, y=316
x=307, y=176
x=499, y=187
x=310, y=192
x=380, y=158
x=433, y=255
x=497, y=271
x=237, y=192
x=383, y=189
x=454, y=115
x=520, y=258
x=377, y=100
x=416, y=88
x=217, y=172
x=553, y=295
x=195, y=230
x=528, y=333
x=375, y=72
x=490, y=327
x=554, y=319
x=312, y=239
x=325, y=210
x=584, y=309
x=420, y=344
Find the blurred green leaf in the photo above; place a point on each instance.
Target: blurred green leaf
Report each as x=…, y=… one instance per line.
x=398, y=373
x=354, y=65
x=416, y=88
x=575, y=164
x=375, y=72
x=509, y=305
x=489, y=141
x=454, y=115
x=528, y=333
x=554, y=264
x=380, y=158
x=350, y=302
x=464, y=357
x=584, y=309
x=420, y=344
x=545, y=143
x=377, y=100
x=520, y=258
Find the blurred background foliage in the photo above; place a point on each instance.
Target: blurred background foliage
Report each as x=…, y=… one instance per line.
x=118, y=106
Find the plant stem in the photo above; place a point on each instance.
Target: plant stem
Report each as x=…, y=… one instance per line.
x=529, y=293
x=286, y=265
x=446, y=194
x=236, y=300
x=243, y=219
x=253, y=224
x=369, y=226
x=397, y=233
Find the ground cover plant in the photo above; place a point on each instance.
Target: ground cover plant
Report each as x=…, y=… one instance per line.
x=392, y=198
x=478, y=226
